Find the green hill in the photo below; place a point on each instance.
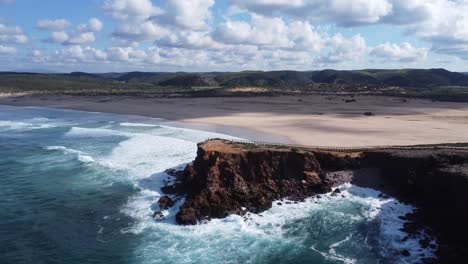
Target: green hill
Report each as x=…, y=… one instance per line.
x=438, y=82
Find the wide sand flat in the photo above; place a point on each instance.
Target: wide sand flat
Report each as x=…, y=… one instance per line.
x=309, y=120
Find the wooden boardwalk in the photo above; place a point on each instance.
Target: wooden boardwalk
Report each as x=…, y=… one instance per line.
x=346, y=149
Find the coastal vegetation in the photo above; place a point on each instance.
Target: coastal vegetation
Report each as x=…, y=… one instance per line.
x=437, y=84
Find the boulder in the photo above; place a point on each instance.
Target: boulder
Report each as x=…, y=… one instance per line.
x=165, y=202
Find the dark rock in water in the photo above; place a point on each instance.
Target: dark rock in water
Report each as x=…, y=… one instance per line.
x=369, y=114
x=279, y=203
x=350, y=101
x=405, y=253
x=158, y=215
x=169, y=189
x=187, y=216
x=424, y=242
x=225, y=177
x=165, y=202
x=336, y=192
x=174, y=172
x=383, y=196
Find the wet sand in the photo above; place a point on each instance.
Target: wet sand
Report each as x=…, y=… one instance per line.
x=308, y=120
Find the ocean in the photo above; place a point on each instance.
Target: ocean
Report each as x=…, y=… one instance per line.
x=81, y=187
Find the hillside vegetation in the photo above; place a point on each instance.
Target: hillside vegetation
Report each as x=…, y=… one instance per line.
x=438, y=83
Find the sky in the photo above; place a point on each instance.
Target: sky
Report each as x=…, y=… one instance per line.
x=232, y=35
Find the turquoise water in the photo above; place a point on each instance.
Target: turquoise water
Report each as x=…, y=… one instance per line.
x=80, y=187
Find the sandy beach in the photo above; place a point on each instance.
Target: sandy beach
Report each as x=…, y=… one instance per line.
x=308, y=120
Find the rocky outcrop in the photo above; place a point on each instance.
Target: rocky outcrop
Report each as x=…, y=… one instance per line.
x=232, y=179
x=229, y=178
x=437, y=182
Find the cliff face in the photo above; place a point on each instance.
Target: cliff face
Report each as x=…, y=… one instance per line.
x=437, y=182
x=227, y=180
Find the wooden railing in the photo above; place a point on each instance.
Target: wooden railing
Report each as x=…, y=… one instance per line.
x=344, y=149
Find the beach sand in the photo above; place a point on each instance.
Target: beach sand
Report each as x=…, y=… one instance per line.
x=309, y=120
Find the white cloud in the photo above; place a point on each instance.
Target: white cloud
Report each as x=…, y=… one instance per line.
x=12, y=34
x=77, y=53
x=126, y=54
x=340, y=12
x=342, y=50
x=272, y=32
x=131, y=9
x=59, y=37
x=93, y=25
x=5, y=50
x=81, y=38
x=83, y=34
x=401, y=53
x=191, y=14
x=58, y=24
x=261, y=34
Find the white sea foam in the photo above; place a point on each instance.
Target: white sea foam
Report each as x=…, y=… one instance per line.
x=82, y=132
x=18, y=125
x=79, y=154
x=145, y=156
x=128, y=124
x=271, y=227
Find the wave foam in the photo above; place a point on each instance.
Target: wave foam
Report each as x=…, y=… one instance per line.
x=288, y=225
x=79, y=154
x=127, y=124
x=18, y=125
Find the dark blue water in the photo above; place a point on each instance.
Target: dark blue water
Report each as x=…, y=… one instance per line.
x=80, y=187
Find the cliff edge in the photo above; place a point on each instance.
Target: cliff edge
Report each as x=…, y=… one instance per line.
x=234, y=178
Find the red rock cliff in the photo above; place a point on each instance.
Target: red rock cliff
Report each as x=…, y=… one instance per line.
x=225, y=178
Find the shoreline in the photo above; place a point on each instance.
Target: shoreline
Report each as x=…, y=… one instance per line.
x=307, y=120
x=238, y=132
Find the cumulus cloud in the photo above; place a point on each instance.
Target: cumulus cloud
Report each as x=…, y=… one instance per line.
x=341, y=12
x=262, y=41
x=5, y=50
x=131, y=9
x=401, y=53
x=47, y=24
x=261, y=34
x=77, y=53
x=191, y=14
x=341, y=49
x=442, y=23
x=12, y=34
x=273, y=32
x=83, y=34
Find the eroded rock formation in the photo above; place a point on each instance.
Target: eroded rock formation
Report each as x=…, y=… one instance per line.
x=230, y=179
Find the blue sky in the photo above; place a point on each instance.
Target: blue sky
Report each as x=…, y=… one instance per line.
x=232, y=35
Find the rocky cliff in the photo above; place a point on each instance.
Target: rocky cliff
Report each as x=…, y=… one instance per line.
x=232, y=179
x=229, y=178
x=437, y=182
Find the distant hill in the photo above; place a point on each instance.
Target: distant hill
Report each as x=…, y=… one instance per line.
x=403, y=78
x=435, y=83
